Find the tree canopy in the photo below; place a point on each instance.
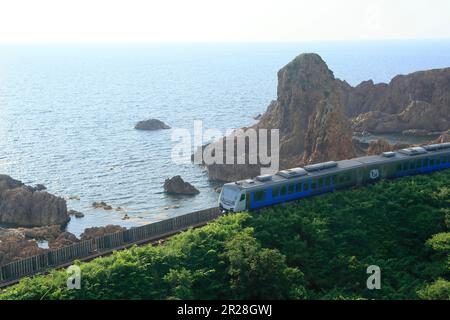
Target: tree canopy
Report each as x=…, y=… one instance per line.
x=316, y=248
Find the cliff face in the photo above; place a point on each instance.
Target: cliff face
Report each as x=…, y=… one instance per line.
x=22, y=205
x=417, y=101
x=316, y=113
x=309, y=115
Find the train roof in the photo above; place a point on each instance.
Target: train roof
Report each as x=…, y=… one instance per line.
x=331, y=167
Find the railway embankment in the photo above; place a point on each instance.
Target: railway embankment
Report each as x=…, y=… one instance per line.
x=317, y=248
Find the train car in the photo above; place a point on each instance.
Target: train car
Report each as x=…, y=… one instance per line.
x=314, y=179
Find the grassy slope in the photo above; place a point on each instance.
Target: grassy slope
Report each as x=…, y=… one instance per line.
x=313, y=248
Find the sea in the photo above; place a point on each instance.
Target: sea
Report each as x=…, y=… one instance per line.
x=67, y=112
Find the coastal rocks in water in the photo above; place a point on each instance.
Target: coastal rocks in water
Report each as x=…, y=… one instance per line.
x=177, y=185
x=151, y=124
x=72, y=197
x=90, y=233
x=22, y=205
x=64, y=239
x=76, y=214
x=417, y=101
x=309, y=115
x=102, y=205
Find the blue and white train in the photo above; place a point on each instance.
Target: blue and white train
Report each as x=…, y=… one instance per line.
x=296, y=183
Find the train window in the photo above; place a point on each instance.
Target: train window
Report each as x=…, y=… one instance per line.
x=327, y=181
x=283, y=190
x=291, y=189
x=260, y=195
x=438, y=161
x=419, y=163
x=242, y=197
x=275, y=192
x=426, y=162
x=313, y=184
x=306, y=186
x=334, y=179
x=298, y=187
x=320, y=183
x=432, y=162
x=399, y=167
x=412, y=165
x=348, y=177
x=443, y=159
x=405, y=166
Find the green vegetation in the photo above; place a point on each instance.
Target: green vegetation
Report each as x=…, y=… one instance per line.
x=316, y=248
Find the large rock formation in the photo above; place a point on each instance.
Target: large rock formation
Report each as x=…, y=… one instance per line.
x=177, y=185
x=22, y=205
x=309, y=115
x=417, y=101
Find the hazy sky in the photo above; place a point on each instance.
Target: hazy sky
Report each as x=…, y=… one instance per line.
x=221, y=20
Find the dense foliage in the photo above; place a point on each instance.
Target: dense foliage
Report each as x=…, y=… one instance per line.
x=315, y=248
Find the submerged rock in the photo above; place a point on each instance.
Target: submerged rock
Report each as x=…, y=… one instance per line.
x=102, y=205
x=151, y=124
x=76, y=214
x=177, y=185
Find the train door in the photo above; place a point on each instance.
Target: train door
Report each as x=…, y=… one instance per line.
x=359, y=176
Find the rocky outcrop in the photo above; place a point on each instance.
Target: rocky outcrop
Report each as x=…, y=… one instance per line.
x=22, y=205
x=41, y=233
x=309, y=115
x=177, y=185
x=90, y=233
x=64, y=239
x=378, y=146
x=151, y=124
x=417, y=101
x=14, y=246
x=445, y=137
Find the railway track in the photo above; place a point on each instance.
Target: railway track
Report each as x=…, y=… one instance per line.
x=155, y=233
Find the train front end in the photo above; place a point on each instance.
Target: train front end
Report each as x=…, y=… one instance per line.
x=232, y=198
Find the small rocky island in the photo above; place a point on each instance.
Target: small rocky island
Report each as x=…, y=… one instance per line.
x=177, y=185
x=151, y=124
